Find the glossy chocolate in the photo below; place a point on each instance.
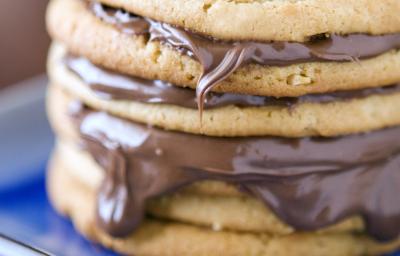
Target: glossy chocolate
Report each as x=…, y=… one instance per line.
x=220, y=59
x=110, y=85
x=309, y=183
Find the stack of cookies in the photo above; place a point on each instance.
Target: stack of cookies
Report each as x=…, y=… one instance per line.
x=216, y=127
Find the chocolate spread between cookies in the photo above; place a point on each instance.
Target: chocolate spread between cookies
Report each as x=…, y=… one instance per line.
x=310, y=183
x=219, y=59
x=111, y=85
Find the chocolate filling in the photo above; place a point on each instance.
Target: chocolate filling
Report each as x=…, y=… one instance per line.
x=110, y=85
x=309, y=183
x=220, y=59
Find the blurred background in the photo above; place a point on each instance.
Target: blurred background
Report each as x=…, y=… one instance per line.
x=24, y=41
x=25, y=136
x=26, y=139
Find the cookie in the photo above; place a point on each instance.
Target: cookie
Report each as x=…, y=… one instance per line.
x=158, y=237
x=303, y=119
x=73, y=24
x=271, y=20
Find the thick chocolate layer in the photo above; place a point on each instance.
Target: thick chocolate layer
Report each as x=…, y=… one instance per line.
x=309, y=183
x=110, y=85
x=220, y=59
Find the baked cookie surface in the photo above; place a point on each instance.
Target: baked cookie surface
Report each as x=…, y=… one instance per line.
x=271, y=20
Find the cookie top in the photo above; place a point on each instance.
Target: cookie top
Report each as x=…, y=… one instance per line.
x=284, y=20
x=76, y=26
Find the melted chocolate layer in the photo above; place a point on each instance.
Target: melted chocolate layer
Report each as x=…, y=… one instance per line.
x=108, y=84
x=220, y=59
x=309, y=183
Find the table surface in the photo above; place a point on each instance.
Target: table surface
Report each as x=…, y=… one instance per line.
x=25, y=213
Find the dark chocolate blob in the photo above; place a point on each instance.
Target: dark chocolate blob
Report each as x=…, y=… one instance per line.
x=309, y=183
x=220, y=59
x=111, y=85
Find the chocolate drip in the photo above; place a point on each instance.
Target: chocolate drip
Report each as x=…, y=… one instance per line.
x=108, y=84
x=220, y=59
x=309, y=183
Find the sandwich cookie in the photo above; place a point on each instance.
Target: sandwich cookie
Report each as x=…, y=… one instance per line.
x=243, y=162
x=143, y=47
x=161, y=104
x=71, y=177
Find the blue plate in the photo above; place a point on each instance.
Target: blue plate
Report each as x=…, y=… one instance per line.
x=25, y=213
x=27, y=216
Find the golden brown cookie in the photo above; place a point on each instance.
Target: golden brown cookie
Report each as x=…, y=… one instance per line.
x=271, y=19
x=72, y=23
x=303, y=119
